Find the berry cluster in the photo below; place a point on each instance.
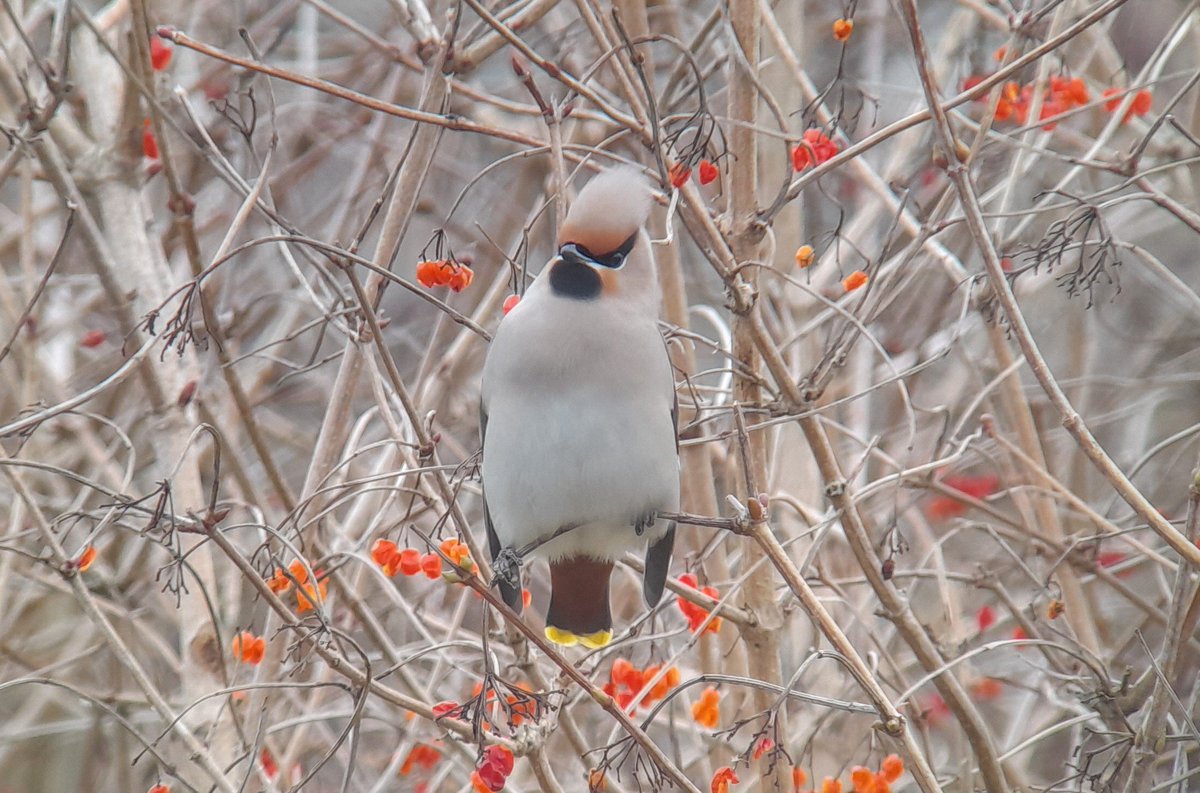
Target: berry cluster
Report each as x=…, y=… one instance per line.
x=307, y=594
x=493, y=769
x=627, y=682
x=409, y=561
x=680, y=173
x=697, y=614
x=1060, y=95
x=444, y=272
x=814, y=149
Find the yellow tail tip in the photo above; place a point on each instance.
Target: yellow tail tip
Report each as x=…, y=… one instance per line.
x=564, y=638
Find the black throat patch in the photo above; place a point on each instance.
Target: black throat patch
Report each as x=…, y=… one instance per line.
x=575, y=276
x=575, y=280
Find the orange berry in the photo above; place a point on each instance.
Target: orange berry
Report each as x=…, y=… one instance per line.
x=1141, y=103
x=1113, y=99
x=86, y=558
x=799, y=779
x=298, y=571
x=669, y=680
x=384, y=554
x=248, y=648
x=310, y=595
x=628, y=675
x=854, y=280
x=431, y=565
x=279, y=582
x=428, y=273
x=722, y=779
x=892, y=767
x=1077, y=91
x=862, y=779
x=987, y=688
x=478, y=785
x=460, y=278
x=410, y=561
x=707, y=711
x=1055, y=609
x=842, y=29
x=831, y=785
x=160, y=789
x=805, y=256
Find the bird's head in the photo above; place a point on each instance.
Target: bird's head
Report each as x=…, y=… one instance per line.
x=603, y=251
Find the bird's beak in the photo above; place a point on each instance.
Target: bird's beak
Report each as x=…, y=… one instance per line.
x=570, y=253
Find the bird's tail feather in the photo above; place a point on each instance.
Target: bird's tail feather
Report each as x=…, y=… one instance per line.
x=579, y=612
x=658, y=561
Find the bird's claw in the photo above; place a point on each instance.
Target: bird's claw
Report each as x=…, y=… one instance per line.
x=644, y=521
x=507, y=567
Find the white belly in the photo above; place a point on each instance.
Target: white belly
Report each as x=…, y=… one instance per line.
x=579, y=433
x=595, y=467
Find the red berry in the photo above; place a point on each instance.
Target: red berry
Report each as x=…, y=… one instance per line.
x=500, y=756
x=679, y=174
x=149, y=144
x=708, y=172
x=160, y=54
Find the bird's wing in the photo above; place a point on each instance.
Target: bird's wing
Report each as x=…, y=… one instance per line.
x=658, y=555
x=510, y=593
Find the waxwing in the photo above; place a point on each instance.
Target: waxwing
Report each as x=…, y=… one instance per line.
x=578, y=417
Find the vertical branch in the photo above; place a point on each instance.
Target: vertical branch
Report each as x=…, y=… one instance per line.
x=1149, y=742
x=746, y=236
x=896, y=606
x=1044, y=508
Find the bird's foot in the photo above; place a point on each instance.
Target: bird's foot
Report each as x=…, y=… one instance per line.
x=507, y=567
x=644, y=521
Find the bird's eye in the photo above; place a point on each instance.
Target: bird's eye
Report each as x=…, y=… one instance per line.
x=617, y=257
x=576, y=252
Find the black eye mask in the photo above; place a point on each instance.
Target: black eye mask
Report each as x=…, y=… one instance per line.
x=578, y=254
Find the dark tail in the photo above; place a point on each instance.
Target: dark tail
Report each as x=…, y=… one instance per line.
x=579, y=611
